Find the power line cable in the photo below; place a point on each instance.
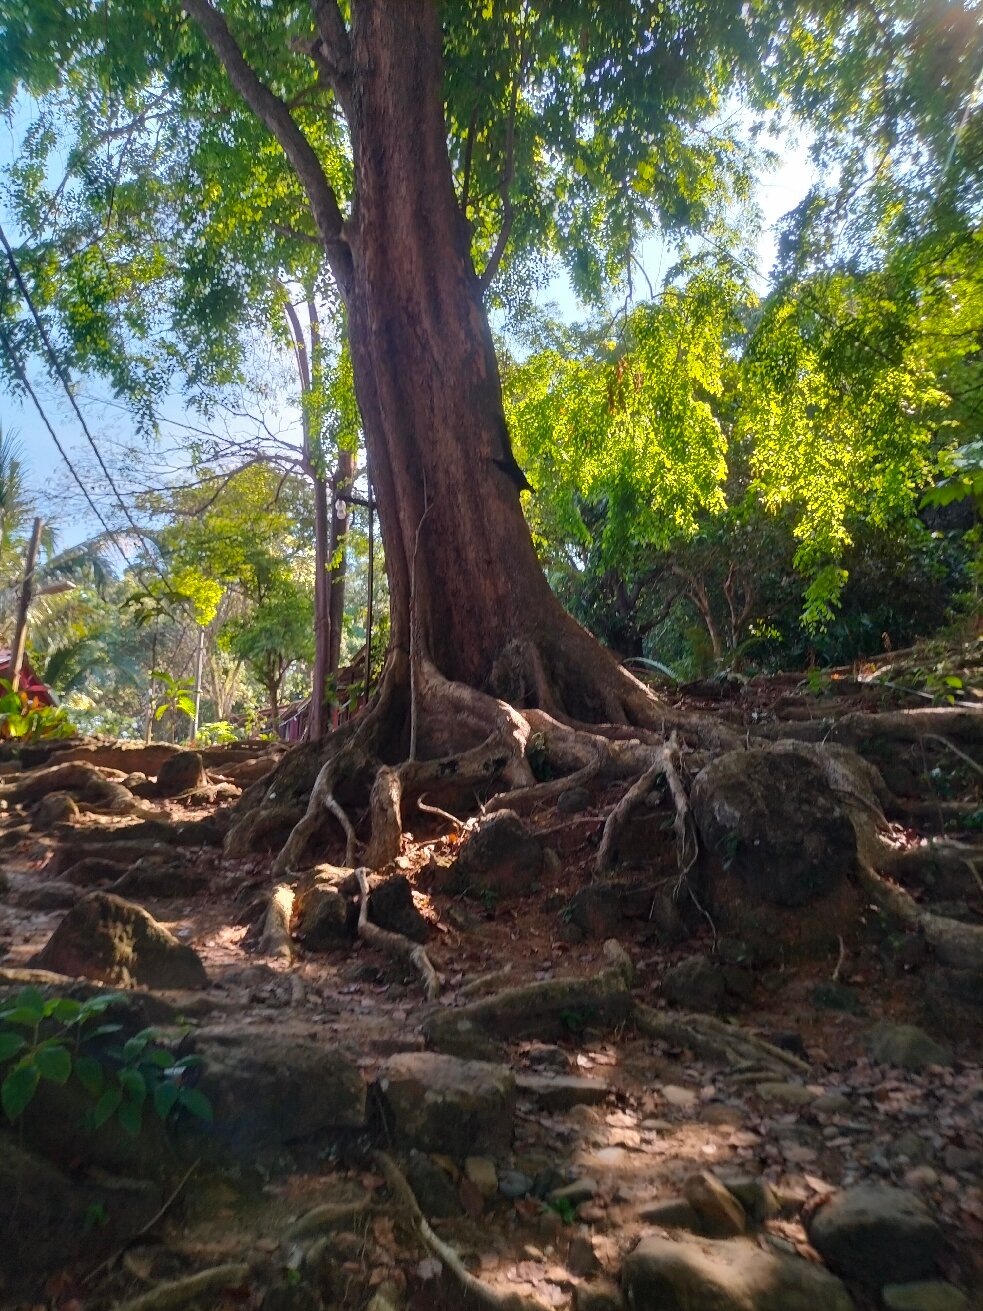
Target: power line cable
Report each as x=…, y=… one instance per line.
x=66, y=384
x=23, y=379
x=64, y=380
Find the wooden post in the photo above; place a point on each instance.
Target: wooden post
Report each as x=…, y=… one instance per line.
x=27, y=587
x=199, y=667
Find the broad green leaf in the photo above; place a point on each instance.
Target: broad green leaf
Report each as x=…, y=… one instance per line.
x=54, y=1063
x=106, y=1106
x=10, y=1045
x=197, y=1103
x=18, y=1088
x=165, y=1098
x=89, y=1072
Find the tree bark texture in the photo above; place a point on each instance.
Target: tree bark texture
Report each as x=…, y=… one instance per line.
x=458, y=550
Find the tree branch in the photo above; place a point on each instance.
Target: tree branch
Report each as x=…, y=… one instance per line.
x=333, y=53
x=276, y=117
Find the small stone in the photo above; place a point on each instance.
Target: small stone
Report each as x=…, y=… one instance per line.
x=514, y=1184
x=788, y=1094
x=581, y=1258
x=907, y=1046
x=671, y=1213
x=581, y=1190
x=922, y=1176
x=756, y=1196
x=550, y=1226
x=874, y=1233
x=926, y=1296
x=721, y=1215
x=684, y=1098
x=911, y=1146
x=552, y=864
x=831, y=1104
x=960, y=1159
x=482, y=1173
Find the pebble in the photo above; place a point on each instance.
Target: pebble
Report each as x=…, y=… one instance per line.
x=787, y=1094
x=581, y=1258
x=676, y=1096
x=514, y=1184
x=831, y=1104
x=958, y=1158
x=721, y=1214
x=482, y=1173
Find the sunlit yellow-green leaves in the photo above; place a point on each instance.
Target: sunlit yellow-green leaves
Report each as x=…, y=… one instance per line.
x=633, y=425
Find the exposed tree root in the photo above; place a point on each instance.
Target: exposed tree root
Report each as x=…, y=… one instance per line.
x=474, y=1289
x=180, y=1292
x=714, y=1040
x=276, y=939
x=859, y=730
x=614, y=825
x=955, y=944
x=71, y=777
x=394, y=944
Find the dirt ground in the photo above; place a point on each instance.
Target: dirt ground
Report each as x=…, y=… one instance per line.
x=665, y=1112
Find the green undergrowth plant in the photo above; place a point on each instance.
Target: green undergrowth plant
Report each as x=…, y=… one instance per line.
x=57, y=1039
x=23, y=717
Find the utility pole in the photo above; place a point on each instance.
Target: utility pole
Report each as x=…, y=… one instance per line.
x=27, y=587
x=199, y=666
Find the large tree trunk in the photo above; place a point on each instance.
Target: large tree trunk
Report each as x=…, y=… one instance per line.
x=466, y=588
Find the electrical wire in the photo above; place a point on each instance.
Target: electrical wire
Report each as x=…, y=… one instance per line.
x=63, y=378
x=66, y=384
x=24, y=381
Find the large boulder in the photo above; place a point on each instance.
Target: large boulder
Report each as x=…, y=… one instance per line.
x=182, y=772
x=876, y=1234
x=695, y=984
x=269, y=1089
x=391, y=907
x=499, y=857
x=664, y=1274
x=115, y=941
x=907, y=1046
x=772, y=818
x=442, y=1104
